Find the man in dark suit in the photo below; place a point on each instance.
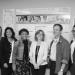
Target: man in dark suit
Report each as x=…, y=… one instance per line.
x=72, y=57
x=0, y=41
x=0, y=45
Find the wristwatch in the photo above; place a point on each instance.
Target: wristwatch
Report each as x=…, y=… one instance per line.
x=61, y=70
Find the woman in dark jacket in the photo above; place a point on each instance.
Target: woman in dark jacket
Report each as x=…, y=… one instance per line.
x=21, y=54
x=7, y=44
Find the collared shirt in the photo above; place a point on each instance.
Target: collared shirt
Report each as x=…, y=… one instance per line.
x=12, y=46
x=72, y=49
x=53, y=50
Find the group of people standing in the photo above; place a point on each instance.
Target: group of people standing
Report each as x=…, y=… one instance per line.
x=25, y=57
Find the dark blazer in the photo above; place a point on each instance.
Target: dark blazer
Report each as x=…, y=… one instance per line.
x=70, y=62
x=0, y=50
x=62, y=54
x=5, y=50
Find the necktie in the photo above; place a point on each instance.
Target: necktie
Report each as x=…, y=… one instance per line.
x=25, y=53
x=36, y=53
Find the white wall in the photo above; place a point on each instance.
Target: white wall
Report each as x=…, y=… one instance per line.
x=23, y=4
x=9, y=19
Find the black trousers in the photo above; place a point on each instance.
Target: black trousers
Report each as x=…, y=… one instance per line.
x=7, y=71
x=52, y=68
x=40, y=71
x=72, y=69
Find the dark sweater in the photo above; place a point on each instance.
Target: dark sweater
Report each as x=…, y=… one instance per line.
x=5, y=50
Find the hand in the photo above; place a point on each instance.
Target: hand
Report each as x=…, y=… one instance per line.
x=36, y=66
x=47, y=71
x=60, y=73
x=5, y=65
x=13, y=67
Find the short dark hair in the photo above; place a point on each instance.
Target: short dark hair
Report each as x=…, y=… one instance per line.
x=23, y=30
x=61, y=28
x=43, y=34
x=11, y=29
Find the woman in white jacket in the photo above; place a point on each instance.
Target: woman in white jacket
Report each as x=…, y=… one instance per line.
x=38, y=54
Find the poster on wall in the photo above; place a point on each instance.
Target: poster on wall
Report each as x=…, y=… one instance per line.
x=43, y=16
x=43, y=19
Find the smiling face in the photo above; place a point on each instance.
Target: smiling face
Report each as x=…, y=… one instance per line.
x=39, y=36
x=56, y=31
x=9, y=33
x=24, y=35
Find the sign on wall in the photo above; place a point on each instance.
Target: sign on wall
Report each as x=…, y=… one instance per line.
x=43, y=19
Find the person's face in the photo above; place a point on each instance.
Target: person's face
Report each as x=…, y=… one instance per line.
x=36, y=18
x=8, y=33
x=56, y=31
x=29, y=18
x=24, y=19
x=24, y=35
x=73, y=32
x=40, y=36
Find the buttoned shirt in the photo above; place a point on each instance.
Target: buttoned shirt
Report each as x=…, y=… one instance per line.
x=72, y=49
x=53, y=50
x=12, y=46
